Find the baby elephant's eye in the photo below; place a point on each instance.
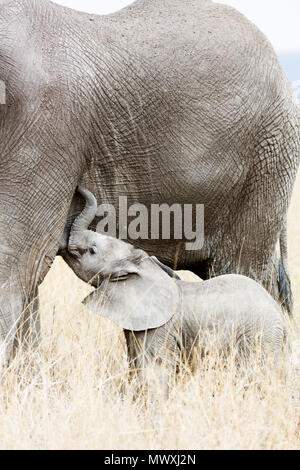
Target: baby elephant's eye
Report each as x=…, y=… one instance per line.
x=93, y=250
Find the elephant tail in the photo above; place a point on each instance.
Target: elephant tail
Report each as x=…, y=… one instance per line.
x=284, y=281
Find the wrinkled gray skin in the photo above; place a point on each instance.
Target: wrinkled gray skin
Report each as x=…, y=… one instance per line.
x=166, y=318
x=166, y=101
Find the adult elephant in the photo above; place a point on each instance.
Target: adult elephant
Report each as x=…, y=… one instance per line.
x=166, y=101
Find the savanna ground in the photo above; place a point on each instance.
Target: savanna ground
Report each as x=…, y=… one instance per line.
x=77, y=394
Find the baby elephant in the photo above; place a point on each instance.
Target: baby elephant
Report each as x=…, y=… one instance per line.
x=164, y=317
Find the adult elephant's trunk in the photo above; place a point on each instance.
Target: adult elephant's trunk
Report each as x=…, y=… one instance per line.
x=86, y=217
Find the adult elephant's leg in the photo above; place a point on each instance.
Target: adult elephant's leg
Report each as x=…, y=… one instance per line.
x=248, y=225
x=12, y=304
x=28, y=332
x=19, y=319
x=34, y=204
x=250, y=247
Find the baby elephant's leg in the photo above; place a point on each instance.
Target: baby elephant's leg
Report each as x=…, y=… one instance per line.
x=152, y=362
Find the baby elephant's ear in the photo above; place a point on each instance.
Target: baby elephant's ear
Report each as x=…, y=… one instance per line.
x=138, y=303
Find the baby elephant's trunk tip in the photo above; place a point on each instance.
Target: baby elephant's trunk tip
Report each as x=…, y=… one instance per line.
x=86, y=217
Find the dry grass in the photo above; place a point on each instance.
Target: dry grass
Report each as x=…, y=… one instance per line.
x=73, y=392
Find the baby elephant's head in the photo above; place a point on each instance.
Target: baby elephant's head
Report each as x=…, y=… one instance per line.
x=95, y=257
x=133, y=290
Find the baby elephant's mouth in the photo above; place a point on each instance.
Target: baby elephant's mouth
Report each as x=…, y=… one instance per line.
x=121, y=277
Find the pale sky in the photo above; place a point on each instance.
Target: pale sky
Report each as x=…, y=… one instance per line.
x=278, y=19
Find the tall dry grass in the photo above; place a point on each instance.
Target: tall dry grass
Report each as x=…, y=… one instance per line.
x=73, y=391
